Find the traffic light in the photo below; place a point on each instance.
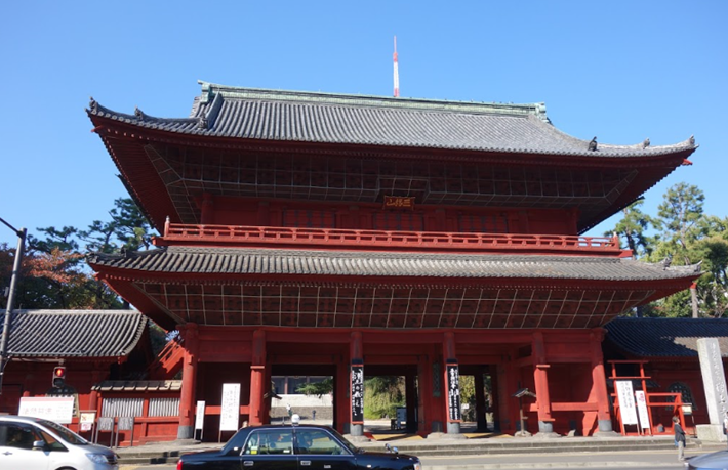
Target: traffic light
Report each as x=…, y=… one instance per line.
x=59, y=377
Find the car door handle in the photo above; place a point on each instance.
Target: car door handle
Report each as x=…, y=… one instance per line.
x=7, y=453
x=305, y=463
x=248, y=463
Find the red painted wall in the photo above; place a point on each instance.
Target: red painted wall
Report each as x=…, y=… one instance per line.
x=238, y=211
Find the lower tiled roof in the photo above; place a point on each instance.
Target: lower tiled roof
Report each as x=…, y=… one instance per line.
x=74, y=333
x=666, y=337
x=177, y=259
x=138, y=386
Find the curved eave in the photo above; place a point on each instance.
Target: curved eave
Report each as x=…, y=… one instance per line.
x=186, y=130
x=200, y=264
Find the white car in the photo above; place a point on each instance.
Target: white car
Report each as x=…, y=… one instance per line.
x=37, y=444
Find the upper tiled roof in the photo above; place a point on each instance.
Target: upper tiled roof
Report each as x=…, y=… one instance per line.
x=276, y=115
x=74, y=333
x=666, y=337
x=178, y=259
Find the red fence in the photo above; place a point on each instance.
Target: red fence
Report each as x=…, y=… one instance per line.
x=386, y=239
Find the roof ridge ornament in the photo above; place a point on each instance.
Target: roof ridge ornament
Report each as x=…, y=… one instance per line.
x=593, y=145
x=92, y=104
x=646, y=143
x=139, y=114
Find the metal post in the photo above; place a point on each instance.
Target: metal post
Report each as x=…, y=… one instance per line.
x=5, y=339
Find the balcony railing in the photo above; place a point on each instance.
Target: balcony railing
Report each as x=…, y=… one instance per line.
x=185, y=234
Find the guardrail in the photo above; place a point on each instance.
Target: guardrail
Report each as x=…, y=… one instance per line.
x=380, y=239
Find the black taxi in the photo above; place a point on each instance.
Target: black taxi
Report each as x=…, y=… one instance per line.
x=293, y=447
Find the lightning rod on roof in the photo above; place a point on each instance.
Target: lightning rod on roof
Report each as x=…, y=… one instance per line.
x=396, y=70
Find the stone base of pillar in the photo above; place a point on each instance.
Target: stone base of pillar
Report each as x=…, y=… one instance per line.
x=453, y=428
x=546, y=430
x=437, y=427
x=605, y=426
x=357, y=429
x=185, y=432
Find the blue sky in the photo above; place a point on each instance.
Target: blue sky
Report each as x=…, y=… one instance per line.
x=620, y=70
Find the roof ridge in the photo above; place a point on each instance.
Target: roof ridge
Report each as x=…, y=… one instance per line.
x=211, y=90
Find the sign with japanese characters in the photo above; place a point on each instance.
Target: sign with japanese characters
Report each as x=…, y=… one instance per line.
x=453, y=393
x=56, y=409
x=86, y=420
x=625, y=395
x=200, y=416
x=357, y=394
x=642, y=409
x=394, y=202
x=230, y=408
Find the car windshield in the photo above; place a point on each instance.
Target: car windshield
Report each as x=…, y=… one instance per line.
x=344, y=441
x=65, y=433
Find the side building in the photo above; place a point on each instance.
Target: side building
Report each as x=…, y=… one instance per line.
x=317, y=234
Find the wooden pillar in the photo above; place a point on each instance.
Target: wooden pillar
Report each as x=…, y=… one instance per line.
x=426, y=399
x=257, y=378
x=451, y=383
x=541, y=382
x=356, y=404
x=185, y=429
x=410, y=389
x=604, y=418
x=480, y=405
x=342, y=407
x=495, y=397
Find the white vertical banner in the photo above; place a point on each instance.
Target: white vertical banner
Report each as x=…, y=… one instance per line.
x=230, y=409
x=625, y=395
x=200, y=415
x=642, y=409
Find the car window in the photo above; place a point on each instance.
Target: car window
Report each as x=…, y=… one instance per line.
x=65, y=433
x=18, y=435
x=269, y=442
x=317, y=442
x=52, y=442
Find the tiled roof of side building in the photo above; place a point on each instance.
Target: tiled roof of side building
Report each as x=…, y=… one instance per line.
x=176, y=259
x=74, y=333
x=276, y=115
x=666, y=337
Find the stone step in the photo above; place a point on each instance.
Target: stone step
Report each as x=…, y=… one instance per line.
x=129, y=455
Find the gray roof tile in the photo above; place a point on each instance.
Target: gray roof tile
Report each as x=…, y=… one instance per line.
x=178, y=259
x=74, y=333
x=666, y=337
x=277, y=115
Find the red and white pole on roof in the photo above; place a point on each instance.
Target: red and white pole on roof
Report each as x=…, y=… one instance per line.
x=396, y=70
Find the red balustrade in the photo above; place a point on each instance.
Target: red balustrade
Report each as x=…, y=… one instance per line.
x=382, y=239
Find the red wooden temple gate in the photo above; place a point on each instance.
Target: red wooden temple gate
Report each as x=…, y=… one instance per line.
x=327, y=234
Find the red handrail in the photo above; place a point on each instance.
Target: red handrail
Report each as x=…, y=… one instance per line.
x=356, y=238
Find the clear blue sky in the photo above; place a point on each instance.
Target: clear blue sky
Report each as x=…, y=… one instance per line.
x=620, y=70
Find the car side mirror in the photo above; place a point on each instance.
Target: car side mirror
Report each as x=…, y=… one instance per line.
x=39, y=445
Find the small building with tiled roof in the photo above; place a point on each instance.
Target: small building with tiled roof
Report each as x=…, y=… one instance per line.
x=668, y=349
x=94, y=346
x=348, y=235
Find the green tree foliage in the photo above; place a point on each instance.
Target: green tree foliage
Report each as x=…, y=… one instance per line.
x=632, y=229
x=319, y=389
x=54, y=274
x=688, y=236
x=382, y=396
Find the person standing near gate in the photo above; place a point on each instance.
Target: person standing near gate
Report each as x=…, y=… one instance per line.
x=725, y=424
x=679, y=438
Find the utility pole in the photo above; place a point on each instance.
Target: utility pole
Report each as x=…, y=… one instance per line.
x=5, y=339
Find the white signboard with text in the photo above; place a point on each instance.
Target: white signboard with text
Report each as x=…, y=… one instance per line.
x=56, y=409
x=627, y=408
x=200, y=416
x=642, y=409
x=230, y=409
